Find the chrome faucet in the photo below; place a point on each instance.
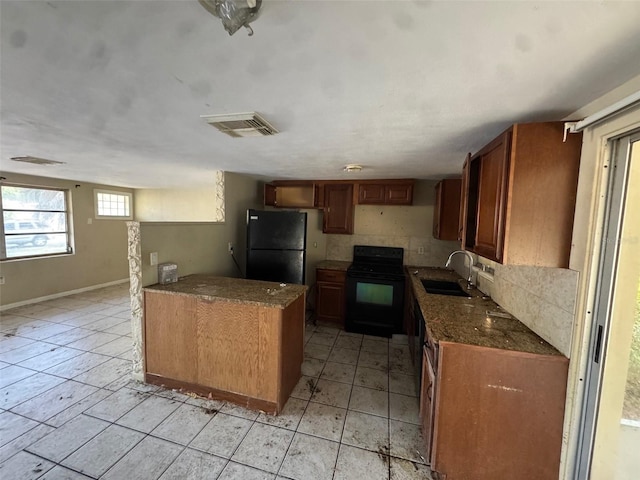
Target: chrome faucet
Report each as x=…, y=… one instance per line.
x=469, y=282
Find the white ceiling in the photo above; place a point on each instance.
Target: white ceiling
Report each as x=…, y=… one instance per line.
x=405, y=88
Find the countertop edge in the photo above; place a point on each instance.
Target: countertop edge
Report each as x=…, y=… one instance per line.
x=171, y=289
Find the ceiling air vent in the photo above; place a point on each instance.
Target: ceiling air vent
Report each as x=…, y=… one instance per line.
x=36, y=160
x=241, y=124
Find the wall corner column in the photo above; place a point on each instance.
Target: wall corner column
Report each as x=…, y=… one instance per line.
x=135, y=290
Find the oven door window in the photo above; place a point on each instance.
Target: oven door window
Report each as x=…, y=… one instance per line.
x=374, y=293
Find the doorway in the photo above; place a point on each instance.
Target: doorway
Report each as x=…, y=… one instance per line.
x=610, y=427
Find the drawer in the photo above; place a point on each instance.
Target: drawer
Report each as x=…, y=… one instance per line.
x=336, y=276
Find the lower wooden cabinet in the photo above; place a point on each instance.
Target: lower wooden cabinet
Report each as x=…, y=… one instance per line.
x=330, y=295
x=245, y=353
x=496, y=413
x=427, y=391
x=410, y=320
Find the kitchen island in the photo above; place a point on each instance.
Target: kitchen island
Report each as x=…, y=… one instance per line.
x=492, y=391
x=225, y=338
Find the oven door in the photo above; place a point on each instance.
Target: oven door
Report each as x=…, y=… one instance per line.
x=375, y=305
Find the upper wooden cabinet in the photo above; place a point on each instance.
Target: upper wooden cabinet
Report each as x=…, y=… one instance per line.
x=338, y=208
x=291, y=195
x=387, y=192
x=337, y=198
x=446, y=214
x=520, y=196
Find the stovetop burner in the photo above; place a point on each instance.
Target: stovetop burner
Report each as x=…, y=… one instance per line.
x=383, y=261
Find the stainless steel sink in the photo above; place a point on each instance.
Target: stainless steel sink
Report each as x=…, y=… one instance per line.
x=444, y=287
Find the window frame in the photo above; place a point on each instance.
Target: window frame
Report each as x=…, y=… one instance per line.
x=127, y=195
x=68, y=232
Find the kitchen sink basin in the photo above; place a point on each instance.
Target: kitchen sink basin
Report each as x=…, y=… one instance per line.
x=443, y=287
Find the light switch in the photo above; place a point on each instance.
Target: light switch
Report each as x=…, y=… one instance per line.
x=154, y=258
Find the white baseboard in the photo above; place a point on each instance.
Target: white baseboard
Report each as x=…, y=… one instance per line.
x=61, y=294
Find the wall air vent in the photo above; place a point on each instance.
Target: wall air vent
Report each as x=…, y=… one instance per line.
x=36, y=160
x=241, y=124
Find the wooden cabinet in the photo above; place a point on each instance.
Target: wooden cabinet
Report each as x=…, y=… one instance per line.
x=410, y=320
x=338, y=208
x=291, y=195
x=386, y=193
x=446, y=214
x=330, y=295
x=245, y=353
x=464, y=192
x=427, y=390
x=497, y=413
x=520, y=196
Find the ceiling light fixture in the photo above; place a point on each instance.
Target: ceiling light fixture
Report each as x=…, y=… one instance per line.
x=36, y=160
x=234, y=13
x=351, y=168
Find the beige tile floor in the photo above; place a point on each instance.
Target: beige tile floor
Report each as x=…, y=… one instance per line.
x=68, y=409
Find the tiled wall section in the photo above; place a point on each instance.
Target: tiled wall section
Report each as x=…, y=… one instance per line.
x=408, y=227
x=542, y=298
x=340, y=247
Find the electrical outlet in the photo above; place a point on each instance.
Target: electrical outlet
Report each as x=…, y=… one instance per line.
x=230, y=248
x=2, y=280
x=153, y=258
x=420, y=250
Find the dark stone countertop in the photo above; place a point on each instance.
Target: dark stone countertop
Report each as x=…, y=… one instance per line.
x=333, y=265
x=235, y=290
x=465, y=320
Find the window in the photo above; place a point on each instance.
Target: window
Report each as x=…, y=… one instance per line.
x=35, y=221
x=112, y=204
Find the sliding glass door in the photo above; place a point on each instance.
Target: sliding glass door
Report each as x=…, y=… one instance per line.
x=610, y=431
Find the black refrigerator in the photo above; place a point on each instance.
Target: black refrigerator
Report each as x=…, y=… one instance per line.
x=276, y=243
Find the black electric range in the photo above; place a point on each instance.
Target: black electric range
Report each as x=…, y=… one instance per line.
x=375, y=291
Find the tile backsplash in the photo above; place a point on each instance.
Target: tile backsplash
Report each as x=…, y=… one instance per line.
x=542, y=298
x=435, y=252
x=408, y=227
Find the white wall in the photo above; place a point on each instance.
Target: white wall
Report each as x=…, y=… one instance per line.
x=203, y=247
x=181, y=205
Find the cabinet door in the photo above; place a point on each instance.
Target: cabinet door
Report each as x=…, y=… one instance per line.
x=330, y=302
x=399, y=194
x=446, y=214
x=436, y=211
x=270, y=195
x=409, y=318
x=427, y=390
x=169, y=332
x=338, y=208
x=464, y=190
x=492, y=177
x=371, y=194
